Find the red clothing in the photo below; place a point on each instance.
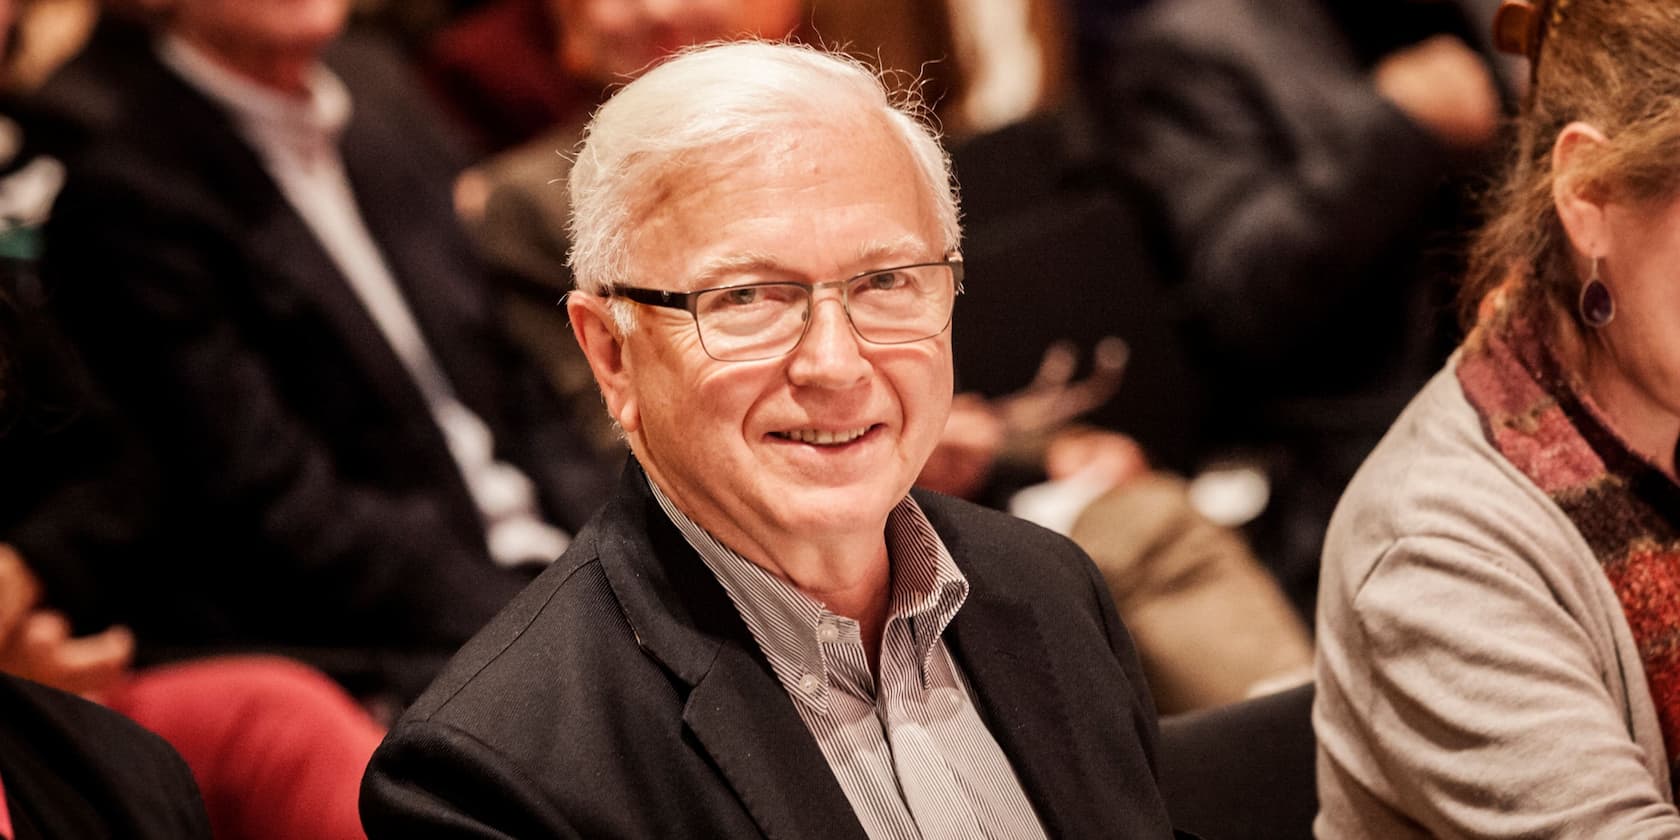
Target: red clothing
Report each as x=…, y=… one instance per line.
x=5, y=815
x=277, y=749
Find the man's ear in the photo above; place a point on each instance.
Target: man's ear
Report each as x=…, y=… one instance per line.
x=1580, y=202
x=598, y=334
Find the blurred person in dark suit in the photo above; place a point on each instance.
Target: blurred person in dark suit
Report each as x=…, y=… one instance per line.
x=256, y=255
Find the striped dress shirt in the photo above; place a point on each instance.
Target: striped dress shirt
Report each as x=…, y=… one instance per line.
x=909, y=750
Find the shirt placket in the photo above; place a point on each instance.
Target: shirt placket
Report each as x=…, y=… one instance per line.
x=931, y=791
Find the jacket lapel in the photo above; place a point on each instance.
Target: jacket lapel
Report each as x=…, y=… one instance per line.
x=402, y=193
x=738, y=713
x=745, y=721
x=996, y=639
x=282, y=242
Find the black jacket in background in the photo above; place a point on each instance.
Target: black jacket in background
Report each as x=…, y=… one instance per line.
x=1315, y=232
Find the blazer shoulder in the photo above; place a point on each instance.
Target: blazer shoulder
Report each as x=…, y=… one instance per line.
x=1006, y=549
x=524, y=628
x=968, y=522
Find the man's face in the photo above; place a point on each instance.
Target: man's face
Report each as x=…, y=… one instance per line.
x=724, y=439
x=262, y=27
x=613, y=40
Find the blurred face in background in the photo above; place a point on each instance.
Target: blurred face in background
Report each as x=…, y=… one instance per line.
x=251, y=32
x=8, y=16
x=615, y=40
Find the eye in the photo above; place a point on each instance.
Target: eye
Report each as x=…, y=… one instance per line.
x=743, y=296
x=886, y=281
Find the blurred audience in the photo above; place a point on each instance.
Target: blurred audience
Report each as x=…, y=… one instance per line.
x=1306, y=160
x=1499, y=609
x=256, y=254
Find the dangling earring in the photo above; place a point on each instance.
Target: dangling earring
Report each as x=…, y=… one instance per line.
x=1596, y=306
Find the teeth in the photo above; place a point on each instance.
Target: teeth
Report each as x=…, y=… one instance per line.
x=823, y=438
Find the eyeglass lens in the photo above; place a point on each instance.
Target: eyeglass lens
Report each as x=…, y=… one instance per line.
x=761, y=321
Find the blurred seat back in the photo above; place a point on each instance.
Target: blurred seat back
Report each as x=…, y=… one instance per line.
x=1243, y=770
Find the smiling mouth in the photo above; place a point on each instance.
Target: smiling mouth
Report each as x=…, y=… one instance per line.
x=817, y=437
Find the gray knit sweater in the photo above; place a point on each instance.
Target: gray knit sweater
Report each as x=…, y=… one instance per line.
x=1476, y=676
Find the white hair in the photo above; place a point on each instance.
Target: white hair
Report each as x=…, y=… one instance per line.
x=727, y=101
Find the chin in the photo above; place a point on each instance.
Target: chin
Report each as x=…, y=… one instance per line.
x=834, y=510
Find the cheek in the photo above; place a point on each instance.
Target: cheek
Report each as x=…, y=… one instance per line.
x=730, y=396
x=686, y=393
x=923, y=383
x=1647, y=347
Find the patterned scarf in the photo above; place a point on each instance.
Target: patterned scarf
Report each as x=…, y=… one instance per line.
x=1627, y=510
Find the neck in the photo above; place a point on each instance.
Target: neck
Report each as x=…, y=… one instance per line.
x=282, y=71
x=847, y=570
x=1651, y=429
x=856, y=584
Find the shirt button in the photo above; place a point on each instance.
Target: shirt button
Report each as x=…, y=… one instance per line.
x=809, y=683
x=828, y=634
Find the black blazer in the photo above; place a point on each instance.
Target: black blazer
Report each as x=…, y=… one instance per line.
x=621, y=695
x=74, y=769
x=304, y=472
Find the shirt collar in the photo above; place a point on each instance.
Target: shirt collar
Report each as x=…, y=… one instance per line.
x=927, y=591
x=318, y=118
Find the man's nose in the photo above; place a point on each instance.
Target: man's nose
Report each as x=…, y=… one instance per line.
x=831, y=354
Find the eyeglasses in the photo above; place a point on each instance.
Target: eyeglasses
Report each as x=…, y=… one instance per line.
x=755, y=321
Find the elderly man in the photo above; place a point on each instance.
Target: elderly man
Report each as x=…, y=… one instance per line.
x=765, y=633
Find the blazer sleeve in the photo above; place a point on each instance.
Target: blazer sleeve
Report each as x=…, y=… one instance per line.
x=432, y=780
x=140, y=284
x=1142, y=704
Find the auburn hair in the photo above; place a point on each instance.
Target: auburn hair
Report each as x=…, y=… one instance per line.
x=1614, y=64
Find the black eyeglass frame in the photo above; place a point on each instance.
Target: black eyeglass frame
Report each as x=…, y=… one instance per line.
x=687, y=301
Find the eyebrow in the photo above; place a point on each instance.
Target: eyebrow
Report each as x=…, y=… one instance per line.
x=904, y=249
x=749, y=262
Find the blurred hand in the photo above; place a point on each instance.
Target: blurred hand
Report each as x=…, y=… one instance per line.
x=36, y=644
x=472, y=194
x=971, y=442
x=1444, y=86
x=1109, y=456
x=19, y=590
x=43, y=650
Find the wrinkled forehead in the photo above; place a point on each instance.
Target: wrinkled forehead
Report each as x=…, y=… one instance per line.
x=694, y=190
